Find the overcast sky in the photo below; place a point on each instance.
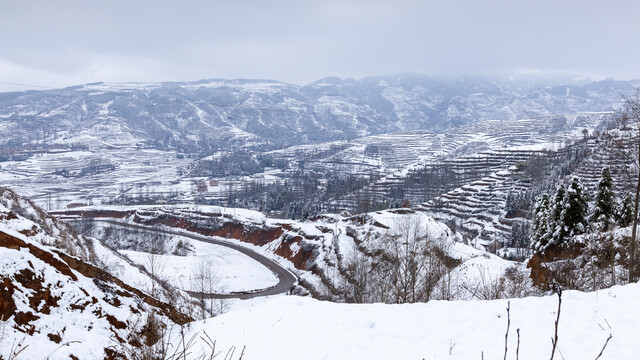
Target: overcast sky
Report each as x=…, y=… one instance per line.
x=60, y=43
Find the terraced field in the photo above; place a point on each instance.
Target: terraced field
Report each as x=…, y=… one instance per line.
x=462, y=176
x=478, y=208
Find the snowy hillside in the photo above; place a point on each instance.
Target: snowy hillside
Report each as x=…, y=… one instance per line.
x=392, y=256
x=27, y=219
x=435, y=330
x=56, y=305
x=349, y=258
x=243, y=143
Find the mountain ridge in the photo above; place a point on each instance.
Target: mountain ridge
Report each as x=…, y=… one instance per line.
x=212, y=114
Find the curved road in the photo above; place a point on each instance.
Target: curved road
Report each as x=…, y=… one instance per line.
x=285, y=277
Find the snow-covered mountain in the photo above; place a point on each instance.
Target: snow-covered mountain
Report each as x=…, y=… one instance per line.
x=258, y=113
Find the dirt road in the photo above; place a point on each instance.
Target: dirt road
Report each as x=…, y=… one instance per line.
x=285, y=277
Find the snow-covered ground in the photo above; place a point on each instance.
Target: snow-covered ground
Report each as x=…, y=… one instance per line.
x=136, y=172
x=232, y=270
x=288, y=327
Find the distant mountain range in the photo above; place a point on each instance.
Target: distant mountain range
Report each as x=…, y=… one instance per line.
x=214, y=114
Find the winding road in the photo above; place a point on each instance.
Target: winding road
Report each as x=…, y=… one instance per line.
x=286, y=279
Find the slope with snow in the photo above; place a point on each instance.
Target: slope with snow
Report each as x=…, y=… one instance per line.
x=257, y=113
x=54, y=303
x=324, y=251
x=49, y=231
x=312, y=329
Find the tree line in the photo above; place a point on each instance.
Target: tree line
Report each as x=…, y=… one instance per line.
x=567, y=213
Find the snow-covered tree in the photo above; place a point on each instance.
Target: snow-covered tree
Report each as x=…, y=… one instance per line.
x=539, y=228
x=624, y=211
x=555, y=229
x=604, y=206
x=510, y=204
x=520, y=234
x=575, y=210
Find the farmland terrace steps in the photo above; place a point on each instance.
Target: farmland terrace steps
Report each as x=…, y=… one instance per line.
x=606, y=155
x=471, y=171
x=477, y=214
x=478, y=210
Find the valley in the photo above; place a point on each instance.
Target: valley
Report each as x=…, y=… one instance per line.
x=319, y=180
x=229, y=206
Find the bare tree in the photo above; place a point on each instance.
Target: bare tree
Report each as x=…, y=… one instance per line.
x=358, y=270
x=407, y=257
x=631, y=115
x=154, y=262
x=204, y=282
x=406, y=265
x=554, y=339
x=418, y=262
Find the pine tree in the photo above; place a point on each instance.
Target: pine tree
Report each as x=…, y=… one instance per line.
x=575, y=209
x=624, y=211
x=604, y=204
x=556, y=231
x=510, y=204
x=539, y=229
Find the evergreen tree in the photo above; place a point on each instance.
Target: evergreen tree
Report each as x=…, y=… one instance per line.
x=510, y=204
x=539, y=230
x=575, y=208
x=556, y=230
x=604, y=204
x=624, y=211
x=520, y=235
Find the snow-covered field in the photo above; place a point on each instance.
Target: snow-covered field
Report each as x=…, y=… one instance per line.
x=232, y=271
x=288, y=327
x=135, y=173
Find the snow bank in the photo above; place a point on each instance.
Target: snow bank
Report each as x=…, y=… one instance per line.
x=287, y=327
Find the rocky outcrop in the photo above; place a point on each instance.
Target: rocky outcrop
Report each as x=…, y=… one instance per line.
x=542, y=273
x=14, y=243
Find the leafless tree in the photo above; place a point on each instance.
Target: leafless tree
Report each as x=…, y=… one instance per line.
x=407, y=251
x=418, y=263
x=205, y=281
x=154, y=262
x=359, y=271
x=630, y=116
x=405, y=265
x=554, y=339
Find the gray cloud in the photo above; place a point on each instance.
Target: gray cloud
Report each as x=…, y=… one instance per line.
x=59, y=43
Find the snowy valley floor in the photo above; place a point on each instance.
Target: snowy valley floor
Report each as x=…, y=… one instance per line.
x=233, y=270
x=290, y=327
